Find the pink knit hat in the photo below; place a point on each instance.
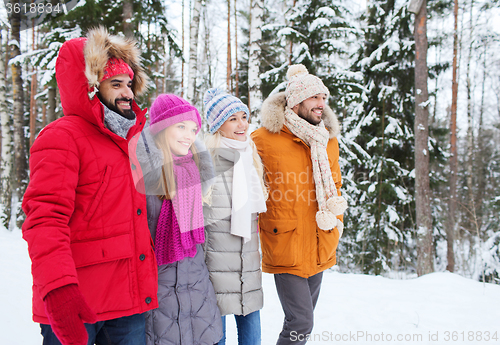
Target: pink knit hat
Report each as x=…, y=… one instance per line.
x=302, y=85
x=169, y=109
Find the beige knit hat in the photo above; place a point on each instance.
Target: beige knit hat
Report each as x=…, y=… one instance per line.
x=302, y=85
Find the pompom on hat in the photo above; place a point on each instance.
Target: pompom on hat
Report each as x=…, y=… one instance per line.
x=169, y=109
x=302, y=85
x=219, y=106
x=116, y=66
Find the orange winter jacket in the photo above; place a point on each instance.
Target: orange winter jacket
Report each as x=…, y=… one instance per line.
x=290, y=239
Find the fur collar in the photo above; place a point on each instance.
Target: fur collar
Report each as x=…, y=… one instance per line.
x=273, y=115
x=101, y=46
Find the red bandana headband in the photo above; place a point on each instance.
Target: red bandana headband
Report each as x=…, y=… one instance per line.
x=116, y=66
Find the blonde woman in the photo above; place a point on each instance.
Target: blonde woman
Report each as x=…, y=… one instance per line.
x=234, y=202
x=174, y=173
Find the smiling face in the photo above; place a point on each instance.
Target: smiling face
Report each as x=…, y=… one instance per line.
x=311, y=109
x=235, y=127
x=116, y=94
x=180, y=136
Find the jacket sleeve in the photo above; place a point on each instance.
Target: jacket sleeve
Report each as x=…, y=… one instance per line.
x=333, y=154
x=207, y=169
x=151, y=161
x=49, y=202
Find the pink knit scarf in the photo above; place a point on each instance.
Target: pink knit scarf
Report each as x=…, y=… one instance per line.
x=180, y=224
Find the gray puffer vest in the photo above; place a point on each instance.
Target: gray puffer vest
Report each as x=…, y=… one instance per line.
x=187, y=313
x=234, y=266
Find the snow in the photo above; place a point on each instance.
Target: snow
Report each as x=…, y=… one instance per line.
x=3, y=14
x=326, y=11
x=352, y=308
x=318, y=23
x=15, y=292
x=287, y=32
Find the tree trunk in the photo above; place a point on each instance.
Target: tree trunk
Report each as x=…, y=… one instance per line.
x=425, y=256
x=183, y=44
x=51, y=105
x=32, y=96
x=193, y=51
x=2, y=91
x=229, y=68
x=44, y=111
x=237, y=75
x=206, y=49
x=20, y=164
x=128, y=12
x=7, y=54
x=254, y=82
x=6, y=152
x=481, y=161
x=450, y=231
x=470, y=135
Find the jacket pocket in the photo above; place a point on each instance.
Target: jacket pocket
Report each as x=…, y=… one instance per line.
x=279, y=240
x=106, y=273
x=102, y=250
x=103, y=185
x=327, y=245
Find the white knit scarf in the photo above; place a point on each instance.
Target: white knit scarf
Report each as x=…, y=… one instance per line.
x=247, y=195
x=330, y=205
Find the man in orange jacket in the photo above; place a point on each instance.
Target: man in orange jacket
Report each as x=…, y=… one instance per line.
x=301, y=229
x=94, y=269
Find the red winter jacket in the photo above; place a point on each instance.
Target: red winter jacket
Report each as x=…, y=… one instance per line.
x=85, y=222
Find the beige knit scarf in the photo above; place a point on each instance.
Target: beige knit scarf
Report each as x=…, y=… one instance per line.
x=330, y=205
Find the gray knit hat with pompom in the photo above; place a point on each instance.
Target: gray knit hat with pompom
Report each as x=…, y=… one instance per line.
x=219, y=106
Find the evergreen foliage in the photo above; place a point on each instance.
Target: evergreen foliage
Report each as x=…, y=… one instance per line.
x=379, y=133
x=320, y=33
x=149, y=25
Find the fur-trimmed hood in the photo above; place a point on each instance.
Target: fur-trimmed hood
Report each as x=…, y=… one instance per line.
x=273, y=115
x=101, y=46
x=75, y=75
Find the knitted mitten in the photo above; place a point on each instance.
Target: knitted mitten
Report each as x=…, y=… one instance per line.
x=337, y=205
x=340, y=227
x=67, y=310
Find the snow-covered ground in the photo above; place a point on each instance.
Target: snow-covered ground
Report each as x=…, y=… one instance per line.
x=439, y=308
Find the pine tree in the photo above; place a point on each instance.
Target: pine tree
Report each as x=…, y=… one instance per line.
x=272, y=52
x=155, y=37
x=379, y=133
x=254, y=82
x=320, y=31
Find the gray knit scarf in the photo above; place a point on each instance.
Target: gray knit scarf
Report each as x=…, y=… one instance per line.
x=116, y=123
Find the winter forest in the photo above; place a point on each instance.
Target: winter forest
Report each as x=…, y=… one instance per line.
x=415, y=84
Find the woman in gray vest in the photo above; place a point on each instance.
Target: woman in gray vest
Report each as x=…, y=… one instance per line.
x=234, y=202
x=176, y=169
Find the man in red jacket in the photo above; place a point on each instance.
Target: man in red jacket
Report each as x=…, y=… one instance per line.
x=94, y=270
